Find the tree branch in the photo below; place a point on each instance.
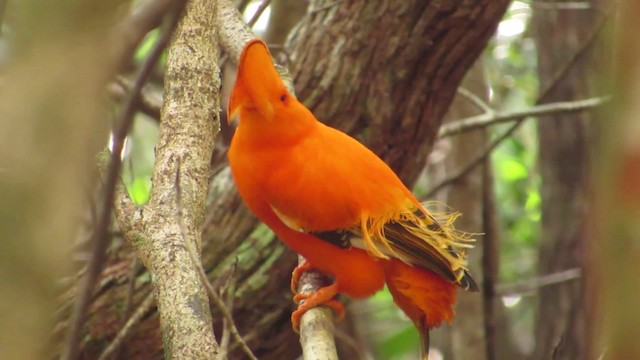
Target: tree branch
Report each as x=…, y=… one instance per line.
x=100, y=238
x=533, y=284
x=234, y=32
x=148, y=102
x=186, y=139
x=491, y=118
x=261, y=8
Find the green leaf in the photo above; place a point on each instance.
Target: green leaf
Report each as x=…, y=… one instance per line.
x=512, y=170
x=139, y=190
x=146, y=45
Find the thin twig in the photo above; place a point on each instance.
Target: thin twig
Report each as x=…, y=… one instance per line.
x=117, y=342
x=256, y=16
x=534, y=284
x=560, y=74
x=476, y=100
x=229, y=291
x=490, y=118
x=149, y=103
x=125, y=121
x=217, y=300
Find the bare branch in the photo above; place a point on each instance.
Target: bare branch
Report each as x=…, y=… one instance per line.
x=234, y=32
x=534, y=284
x=148, y=103
x=476, y=100
x=491, y=118
x=261, y=8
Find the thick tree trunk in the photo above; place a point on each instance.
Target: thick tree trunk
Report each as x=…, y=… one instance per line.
x=564, y=156
x=385, y=73
x=388, y=71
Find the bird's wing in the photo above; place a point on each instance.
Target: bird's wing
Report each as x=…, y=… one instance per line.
x=416, y=238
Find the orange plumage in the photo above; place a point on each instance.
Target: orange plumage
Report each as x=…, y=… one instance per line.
x=335, y=202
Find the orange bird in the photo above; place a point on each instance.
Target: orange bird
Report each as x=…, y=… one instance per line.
x=336, y=203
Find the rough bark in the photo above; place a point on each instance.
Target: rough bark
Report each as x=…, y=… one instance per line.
x=161, y=231
x=409, y=59
x=564, y=158
x=388, y=71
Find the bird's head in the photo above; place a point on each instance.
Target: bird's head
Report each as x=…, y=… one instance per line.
x=259, y=97
x=258, y=87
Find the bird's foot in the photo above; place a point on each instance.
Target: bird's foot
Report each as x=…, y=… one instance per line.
x=297, y=274
x=322, y=297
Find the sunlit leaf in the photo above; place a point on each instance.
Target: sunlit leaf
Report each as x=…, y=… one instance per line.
x=512, y=170
x=139, y=190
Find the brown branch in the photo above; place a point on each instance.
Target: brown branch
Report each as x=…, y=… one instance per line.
x=100, y=239
x=476, y=100
x=261, y=8
x=148, y=102
x=491, y=118
x=534, y=284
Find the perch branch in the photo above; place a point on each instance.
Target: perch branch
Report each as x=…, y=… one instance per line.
x=316, y=325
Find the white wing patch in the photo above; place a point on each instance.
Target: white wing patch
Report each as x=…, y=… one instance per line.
x=291, y=224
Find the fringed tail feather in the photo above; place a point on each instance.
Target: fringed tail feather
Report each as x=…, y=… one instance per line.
x=420, y=238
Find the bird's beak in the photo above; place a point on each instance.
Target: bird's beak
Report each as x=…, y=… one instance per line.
x=257, y=78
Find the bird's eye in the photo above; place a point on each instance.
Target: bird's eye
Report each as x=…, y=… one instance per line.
x=283, y=97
